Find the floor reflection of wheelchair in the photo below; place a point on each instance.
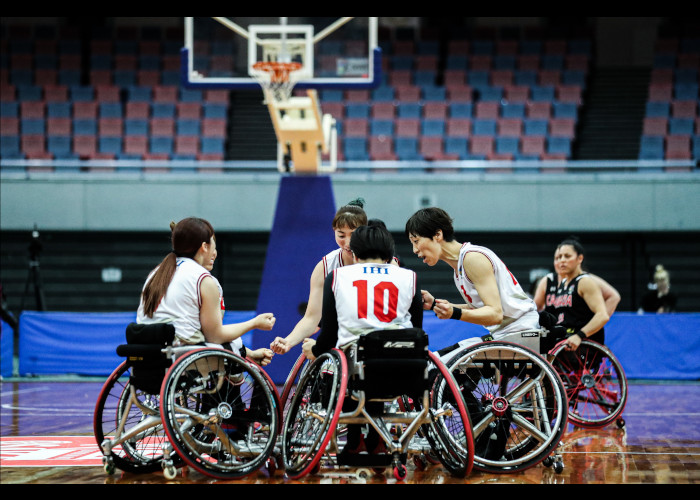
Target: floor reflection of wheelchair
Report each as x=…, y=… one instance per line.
x=341, y=388
x=595, y=382
x=516, y=401
x=211, y=410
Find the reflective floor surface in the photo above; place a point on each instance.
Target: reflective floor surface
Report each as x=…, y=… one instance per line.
x=660, y=444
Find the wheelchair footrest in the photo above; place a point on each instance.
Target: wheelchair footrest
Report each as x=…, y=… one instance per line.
x=366, y=460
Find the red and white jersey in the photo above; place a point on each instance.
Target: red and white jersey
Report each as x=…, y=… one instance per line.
x=371, y=297
x=182, y=302
x=519, y=310
x=332, y=261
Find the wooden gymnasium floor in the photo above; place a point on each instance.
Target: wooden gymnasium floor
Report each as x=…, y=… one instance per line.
x=47, y=439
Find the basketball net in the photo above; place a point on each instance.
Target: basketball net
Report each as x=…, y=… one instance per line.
x=277, y=78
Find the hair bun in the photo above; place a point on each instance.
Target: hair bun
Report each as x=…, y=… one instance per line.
x=172, y=225
x=358, y=202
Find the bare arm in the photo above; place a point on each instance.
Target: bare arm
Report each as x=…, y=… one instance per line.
x=611, y=296
x=308, y=325
x=540, y=292
x=589, y=290
x=210, y=317
x=480, y=272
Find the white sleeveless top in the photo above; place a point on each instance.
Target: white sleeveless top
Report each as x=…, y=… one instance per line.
x=182, y=302
x=371, y=297
x=519, y=311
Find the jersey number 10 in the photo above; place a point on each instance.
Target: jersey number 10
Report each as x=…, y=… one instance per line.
x=385, y=299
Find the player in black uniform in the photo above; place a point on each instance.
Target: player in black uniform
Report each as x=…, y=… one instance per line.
x=577, y=302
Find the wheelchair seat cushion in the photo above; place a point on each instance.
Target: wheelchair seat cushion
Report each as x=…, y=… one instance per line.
x=407, y=343
x=153, y=333
x=395, y=362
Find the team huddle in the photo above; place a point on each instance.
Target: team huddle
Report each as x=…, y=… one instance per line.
x=361, y=287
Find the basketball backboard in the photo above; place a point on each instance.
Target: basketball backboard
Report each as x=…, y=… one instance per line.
x=220, y=52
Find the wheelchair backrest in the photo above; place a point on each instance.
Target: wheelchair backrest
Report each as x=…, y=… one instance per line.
x=394, y=362
x=143, y=351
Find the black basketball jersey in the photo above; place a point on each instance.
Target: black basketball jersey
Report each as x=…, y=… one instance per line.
x=564, y=302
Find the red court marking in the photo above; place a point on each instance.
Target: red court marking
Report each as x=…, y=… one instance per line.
x=49, y=451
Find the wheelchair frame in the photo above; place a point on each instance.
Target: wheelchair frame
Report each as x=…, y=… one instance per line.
x=595, y=383
x=517, y=402
x=303, y=446
x=141, y=431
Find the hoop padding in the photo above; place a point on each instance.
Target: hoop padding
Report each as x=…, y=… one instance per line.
x=278, y=78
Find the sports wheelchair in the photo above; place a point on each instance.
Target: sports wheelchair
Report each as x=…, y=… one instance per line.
x=516, y=401
x=596, y=385
x=342, y=388
x=165, y=407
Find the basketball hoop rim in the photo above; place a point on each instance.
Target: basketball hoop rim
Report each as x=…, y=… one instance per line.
x=279, y=71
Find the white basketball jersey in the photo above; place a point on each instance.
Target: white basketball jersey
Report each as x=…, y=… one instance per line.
x=331, y=261
x=182, y=302
x=519, y=311
x=371, y=297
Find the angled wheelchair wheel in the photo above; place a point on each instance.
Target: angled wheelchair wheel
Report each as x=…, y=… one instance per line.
x=595, y=383
x=450, y=430
x=292, y=382
x=516, y=403
x=220, y=413
x=313, y=413
x=128, y=427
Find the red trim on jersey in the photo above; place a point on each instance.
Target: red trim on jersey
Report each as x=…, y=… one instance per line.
x=199, y=284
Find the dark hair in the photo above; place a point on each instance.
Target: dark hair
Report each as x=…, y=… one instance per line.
x=372, y=241
x=351, y=215
x=575, y=243
x=187, y=237
x=427, y=221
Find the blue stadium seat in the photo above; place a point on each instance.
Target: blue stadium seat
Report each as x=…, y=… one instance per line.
x=461, y=110
x=407, y=149
x=535, y=126
x=84, y=126
x=513, y=110
x=490, y=93
x=136, y=126
x=525, y=77
x=681, y=126
x=434, y=93
x=212, y=145
x=685, y=91
x=542, y=93
x=355, y=149
x=383, y=93
x=191, y=95
x=409, y=110
x=160, y=145
x=651, y=148
x=214, y=110
x=564, y=110
x=331, y=95
x=695, y=145
x=507, y=145
x=381, y=127
x=29, y=93
x=9, y=109
x=110, y=110
x=81, y=93
x=187, y=127
x=110, y=145
x=30, y=126
x=424, y=78
x=10, y=147
x=163, y=110
x=458, y=146
x=559, y=145
x=433, y=127
x=484, y=127
x=657, y=109
x=357, y=110
x=59, y=146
